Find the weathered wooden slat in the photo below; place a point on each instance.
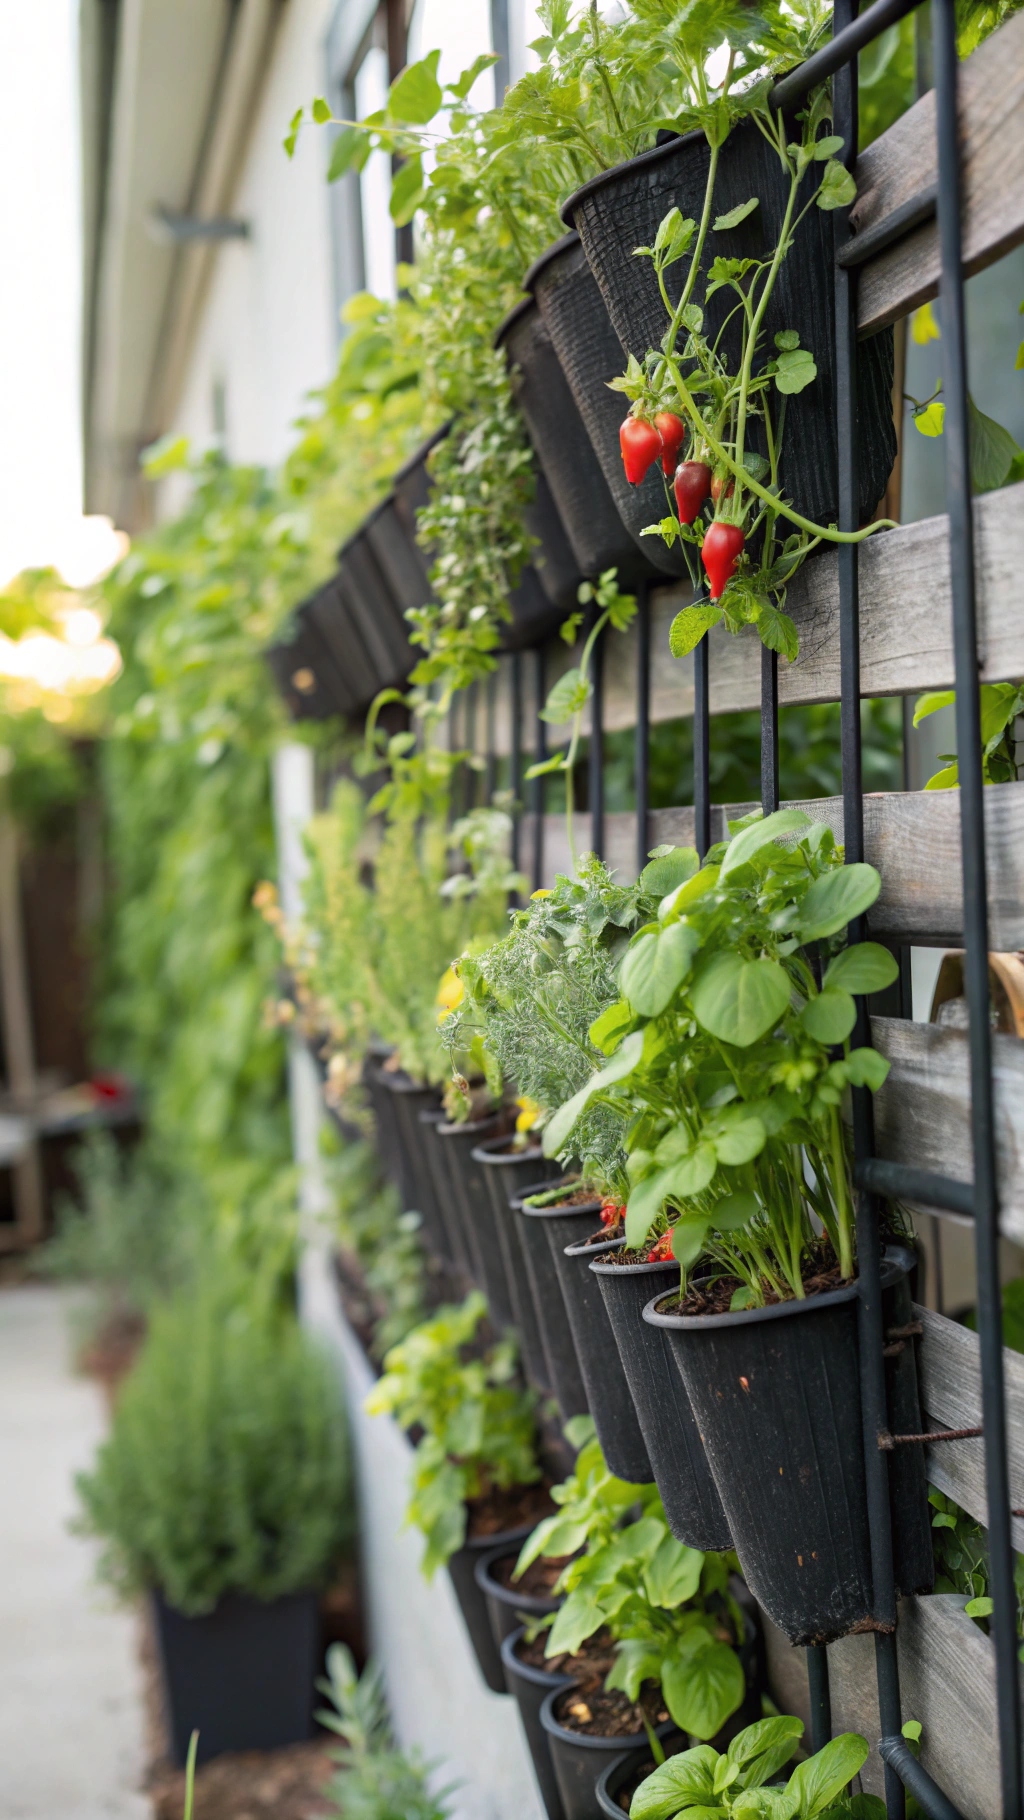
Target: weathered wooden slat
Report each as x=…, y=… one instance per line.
x=950, y=1376
x=903, y=163
x=913, y=838
x=922, y=1113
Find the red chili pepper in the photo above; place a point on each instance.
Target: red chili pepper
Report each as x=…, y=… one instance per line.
x=640, y=443
x=611, y=1212
x=693, y=478
x=720, y=488
x=672, y=430
x=720, y=552
x=661, y=1250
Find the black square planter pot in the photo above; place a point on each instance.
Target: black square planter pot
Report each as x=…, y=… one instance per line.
x=674, y=1447
x=241, y=1675
x=530, y=1688
x=776, y=1395
x=621, y=209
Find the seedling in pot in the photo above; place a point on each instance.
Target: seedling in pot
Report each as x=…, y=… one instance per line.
x=739, y=1784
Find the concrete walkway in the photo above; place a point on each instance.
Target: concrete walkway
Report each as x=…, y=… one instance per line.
x=71, y=1738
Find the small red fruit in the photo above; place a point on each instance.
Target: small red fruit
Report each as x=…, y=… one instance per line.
x=720, y=552
x=672, y=430
x=693, y=478
x=661, y=1251
x=722, y=484
x=640, y=443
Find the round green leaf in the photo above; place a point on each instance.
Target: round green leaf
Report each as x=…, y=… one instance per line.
x=657, y=966
x=415, y=95
x=739, y=1138
x=830, y=1017
x=667, y=870
x=701, y=1690
x=835, y=899
x=743, y=846
x=692, y=1173
x=734, y=1211
x=739, y=1001
x=688, y=1238
x=866, y=967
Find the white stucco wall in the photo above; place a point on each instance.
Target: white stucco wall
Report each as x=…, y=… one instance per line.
x=268, y=333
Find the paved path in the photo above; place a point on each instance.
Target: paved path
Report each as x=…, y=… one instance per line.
x=70, y=1693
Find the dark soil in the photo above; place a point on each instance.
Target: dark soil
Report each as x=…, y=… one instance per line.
x=249, y=1785
x=499, y=1511
x=587, y=1708
x=605, y=1235
x=539, y=1579
x=820, y=1275
x=532, y=1654
x=640, y=1774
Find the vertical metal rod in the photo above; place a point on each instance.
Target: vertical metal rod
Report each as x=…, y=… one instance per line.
x=701, y=750
x=821, y=1699
x=540, y=754
x=491, y=756
x=596, y=767
x=515, y=759
x=874, y=1417
x=642, y=741
x=769, y=730
x=956, y=441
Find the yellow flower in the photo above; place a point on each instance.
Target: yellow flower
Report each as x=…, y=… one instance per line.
x=529, y=1113
x=544, y=893
x=923, y=326
x=450, y=993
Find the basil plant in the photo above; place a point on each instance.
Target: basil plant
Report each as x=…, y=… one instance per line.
x=729, y=1056
x=738, y=1784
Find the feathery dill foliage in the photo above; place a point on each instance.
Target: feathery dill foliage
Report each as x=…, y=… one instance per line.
x=537, y=992
x=227, y=1467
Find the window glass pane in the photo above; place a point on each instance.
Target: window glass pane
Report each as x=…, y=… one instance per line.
x=371, y=92
x=460, y=30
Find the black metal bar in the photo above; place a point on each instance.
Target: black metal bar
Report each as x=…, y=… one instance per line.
x=701, y=750
x=897, y=1755
x=874, y=1413
x=769, y=730
x=540, y=754
x=956, y=442
x=892, y=227
x=515, y=757
x=905, y=1182
x=847, y=41
x=491, y=756
x=821, y=1699
x=642, y=740
x=596, y=766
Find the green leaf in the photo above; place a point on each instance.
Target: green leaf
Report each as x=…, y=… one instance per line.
x=665, y=871
x=606, y=1031
x=544, y=768
x=689, y=626
x=735, y=216
x=827, y=148
x=786, y=340
x=794, y=369
x=835, y=899
x=978, y=1608
x=461, y=88
x=824, y=1776
x=946, y=779
x=570, y=693
x=682, y=1782
x=740, y=1001
x=702, y=1689
x=734, y=1211
x=777, y=631
x=930, y=421
x=738, y=1136
x=635, y=1662
x=687, y=1177
x=415, y=96
x=761, y=1749
x=932, y=702
x=320, y=110
x=559, y=1126
x=575, y=1621
x=830, y=1017
x=764, y=1804
x=743, y=846
x=656, y=967
x=867, y=967
x=838, y=188
x=992, y=450
x=673, y=1574
x=349, y=151
x=407, y=190
x=688, y=1239
x=866, y=1068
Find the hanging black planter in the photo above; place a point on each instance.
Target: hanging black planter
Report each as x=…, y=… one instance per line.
x=563, y=1365
x=377, y=612
x=674, y=1447
x=530, y=1688
x=776, y=1395
x=589, y=354
x=408, y=1099
x=398, y=555
x=508, y=1605
x=472, y=1603
x=565, y=452
x=504, y=1171
x=579, y=1760
x=241, y=1675
x=608, y=1394
x=470, y=1204
x=554, y=561
x=622, y=208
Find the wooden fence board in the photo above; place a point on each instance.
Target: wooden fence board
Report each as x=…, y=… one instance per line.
x=903, y=162
x=950, y=1376
x=922, y=1113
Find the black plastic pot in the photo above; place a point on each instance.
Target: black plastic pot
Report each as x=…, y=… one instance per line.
x=473, y=1604
x=241, y=1675
x=674, y=1447
x=580, y=1761
x=506, y=1606
x=556, y=566
x=776, y=1395
x=556, y=1334
x=622, y=208
x=620, y=1772
x=604, y=1378
x=478, y=1211
x=504, y=1171
x=408, y=1098
x=398, y=555
x=330, y=612
x=590, y=355
x=377, y=612
x=439, y=1162
x=530, y=1687
x=564, y=450
x=534, y=618
x=305, y=675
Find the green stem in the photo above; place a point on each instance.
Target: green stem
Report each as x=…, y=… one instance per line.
x=841, y=1196
x=755, y=327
